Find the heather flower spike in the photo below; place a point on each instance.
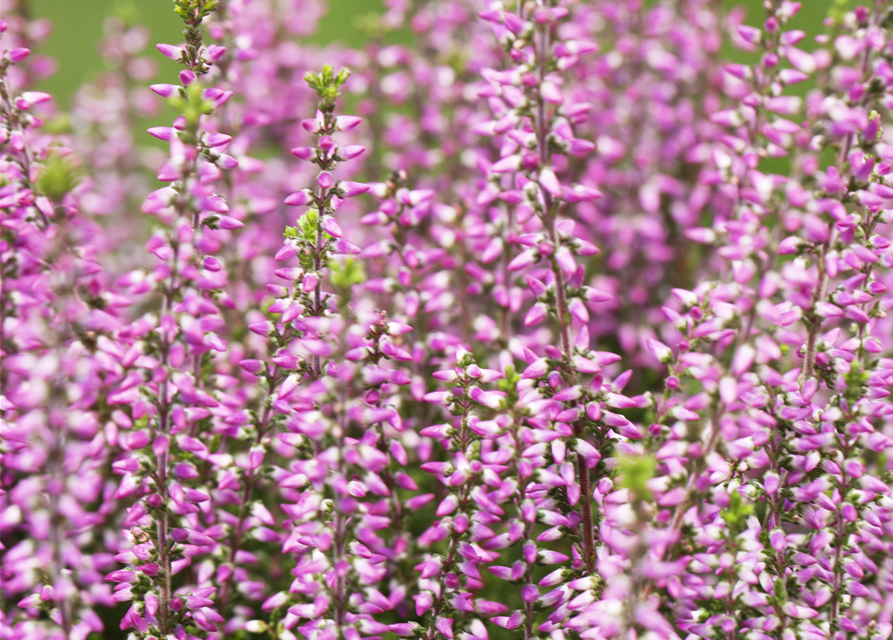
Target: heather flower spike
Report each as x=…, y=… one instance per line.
x=56, y=311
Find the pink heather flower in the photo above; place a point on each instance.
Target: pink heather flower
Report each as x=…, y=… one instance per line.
x=606, y=299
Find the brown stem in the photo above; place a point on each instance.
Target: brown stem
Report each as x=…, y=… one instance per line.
x=840, y=534
x=162, y=523
x=812, y=338
x=315, y=366
x=550, y=213
x=464, y=438
x=773, y=519
x=246, y=498
x=338, y=549
x=586, y=512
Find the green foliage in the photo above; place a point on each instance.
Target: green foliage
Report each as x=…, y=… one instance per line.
x=194, y=10
x=635, y=472
x=838, y=10
x=856, y=379
x=127, y=11
x=711, y=607
x=307, y=224
x=736, y=514
x=59, y=125
x=304, y=235
x=344, y=274
x=509, y=385
x=327, y=82
x=193, y=106
x=369, y=25
x=58, y=176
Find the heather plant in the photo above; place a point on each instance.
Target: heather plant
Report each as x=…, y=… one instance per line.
x=578, y=330
x=58, y=338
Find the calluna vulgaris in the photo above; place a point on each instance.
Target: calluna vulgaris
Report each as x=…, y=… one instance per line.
x=555, y=324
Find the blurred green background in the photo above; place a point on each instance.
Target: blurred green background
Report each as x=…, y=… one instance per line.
x=78, y=27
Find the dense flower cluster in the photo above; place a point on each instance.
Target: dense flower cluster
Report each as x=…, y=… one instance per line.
x=577, y=329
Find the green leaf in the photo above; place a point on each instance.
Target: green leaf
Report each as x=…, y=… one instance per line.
x=57, y=177
x=307, y=224
x=346, y=273
x=736, y=514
